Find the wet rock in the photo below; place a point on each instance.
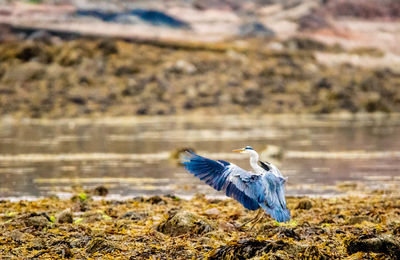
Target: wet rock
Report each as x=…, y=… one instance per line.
x=384, y=244
x=156, y=200
x=244, y=249
x=100, y=245
x=100, y=191
x=65, y=217
x=40, y=36
x=227, y=227
x=184, y=67
x=173, y=197
x=91, y=217
x=358, y=220
x=126, y=70
x=312, y=22
x=287, y=232
x=38, y=244
x=214, y=212
x=17, y=236
x=32, y=51
x=79, y=242
x=107, y=46
x=304, y=204
x=303, y=43
x=36, y=220
x=364, y=10
x=255, y=29
x=249, y=248
x=134, y=215
x=184, y=222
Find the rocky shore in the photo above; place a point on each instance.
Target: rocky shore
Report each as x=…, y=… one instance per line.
x=170, y=227
x=46, y=77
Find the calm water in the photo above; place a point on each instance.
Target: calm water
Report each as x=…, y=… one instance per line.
x=131, y=156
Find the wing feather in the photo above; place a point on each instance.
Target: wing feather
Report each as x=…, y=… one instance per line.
x=236, y=182
x=275, y=203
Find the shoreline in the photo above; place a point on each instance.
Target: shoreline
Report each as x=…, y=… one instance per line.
x=193, y=117
x=114, y=78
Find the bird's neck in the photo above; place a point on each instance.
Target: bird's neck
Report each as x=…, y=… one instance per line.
x=254, y=163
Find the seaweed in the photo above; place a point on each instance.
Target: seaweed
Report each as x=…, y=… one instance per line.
x=333, y=228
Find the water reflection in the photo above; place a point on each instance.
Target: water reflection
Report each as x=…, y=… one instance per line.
x=131, y=155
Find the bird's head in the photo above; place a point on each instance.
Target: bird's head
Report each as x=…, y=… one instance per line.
x=246, y=149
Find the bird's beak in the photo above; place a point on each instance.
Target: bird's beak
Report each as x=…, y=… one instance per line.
x=238, y=150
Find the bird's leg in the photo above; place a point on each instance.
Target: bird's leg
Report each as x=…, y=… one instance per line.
x=257, y=220
x=253, y=219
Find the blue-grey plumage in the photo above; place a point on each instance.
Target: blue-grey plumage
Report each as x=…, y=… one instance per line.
x=262, y=188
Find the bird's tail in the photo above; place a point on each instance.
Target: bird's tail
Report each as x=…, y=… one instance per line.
x=278, y=213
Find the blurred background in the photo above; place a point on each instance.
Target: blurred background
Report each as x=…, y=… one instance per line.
x=107, y=93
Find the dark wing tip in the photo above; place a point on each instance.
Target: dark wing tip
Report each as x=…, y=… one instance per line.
x=265, y=166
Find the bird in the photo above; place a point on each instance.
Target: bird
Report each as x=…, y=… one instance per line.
x=261, y=189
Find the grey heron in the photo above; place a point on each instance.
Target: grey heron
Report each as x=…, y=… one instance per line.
x=261, y=189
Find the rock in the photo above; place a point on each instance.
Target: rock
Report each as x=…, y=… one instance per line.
x=41, y=36
x=134, y=215
x=65, y=217
x=38, y=244
x=173, y=197
x=303, y=43
x=107, y=46
x=249, y=248
x=287, y=232
x=184, y=222
x=79, y=242
x=212, y=212
x=304, y=204
x=29, y=52
x=100, y=191
x=244, y=249
x=36, y=220
x=255, y=29
x=184, y=67
x=384, y=244
x=100, y=245
x=358, y=220
x=155, y=200
x=17, y=236
x=227, y=227
x=91, y=217
x=312, y=22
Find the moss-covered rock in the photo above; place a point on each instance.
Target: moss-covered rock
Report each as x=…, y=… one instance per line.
x=184, y=222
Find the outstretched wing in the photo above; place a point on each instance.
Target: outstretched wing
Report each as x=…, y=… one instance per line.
x=237, y=183
x=264, y=165
x=275, y=203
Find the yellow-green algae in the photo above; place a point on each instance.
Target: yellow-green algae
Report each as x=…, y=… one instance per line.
x=321, y=228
